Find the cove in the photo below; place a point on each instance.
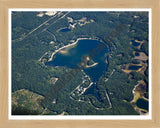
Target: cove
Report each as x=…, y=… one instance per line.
x=72, y=55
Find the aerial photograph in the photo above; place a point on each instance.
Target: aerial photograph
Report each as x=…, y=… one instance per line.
x=79, y=62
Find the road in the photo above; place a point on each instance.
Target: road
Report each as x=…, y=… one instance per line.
x=21, y=38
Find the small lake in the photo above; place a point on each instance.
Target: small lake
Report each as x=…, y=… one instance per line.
x=65, y=30
x=134, y=67
x=141, y=103
x=136, y=54
x=134, y=43
x=72, y=55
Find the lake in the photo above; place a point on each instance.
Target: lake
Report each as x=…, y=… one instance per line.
x=141, y=103
x=72, y=55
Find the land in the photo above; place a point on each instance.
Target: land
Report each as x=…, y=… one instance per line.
x=138, y=92
x=27, y=102
x=35, y=40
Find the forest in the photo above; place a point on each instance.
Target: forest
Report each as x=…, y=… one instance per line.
x=30, y=74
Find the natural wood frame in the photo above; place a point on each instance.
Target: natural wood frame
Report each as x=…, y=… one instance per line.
x=6, y=4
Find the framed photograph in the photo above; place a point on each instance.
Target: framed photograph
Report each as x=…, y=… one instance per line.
x=92, y=65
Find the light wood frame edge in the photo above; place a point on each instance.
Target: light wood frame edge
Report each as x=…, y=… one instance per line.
x=6, y=4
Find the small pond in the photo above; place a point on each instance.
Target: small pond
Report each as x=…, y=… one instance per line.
x=65, y=30
x=134, y=43
x=136, y=54
x=134, y=67
x=142, y=103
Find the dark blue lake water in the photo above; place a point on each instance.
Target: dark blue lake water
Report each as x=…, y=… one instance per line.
x=65, y=30
x=93, y=90
x=141, y=103
x=136, y=54
x=73, y=55
x=134, y=43
x=134, y=67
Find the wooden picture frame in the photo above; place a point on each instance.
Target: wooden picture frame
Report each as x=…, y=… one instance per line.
x=5, y=122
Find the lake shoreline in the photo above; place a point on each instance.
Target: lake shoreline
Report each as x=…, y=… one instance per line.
x=50, y=59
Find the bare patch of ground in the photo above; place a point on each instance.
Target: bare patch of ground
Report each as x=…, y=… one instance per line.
x=26, y=101
x=53, y=80
x=138, y=92
x=142, y=56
